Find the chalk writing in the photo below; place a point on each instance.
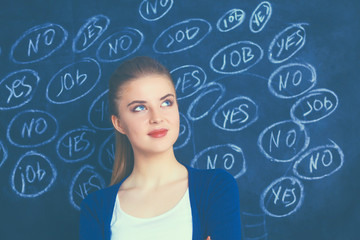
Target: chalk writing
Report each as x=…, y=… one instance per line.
x=33, y=175
x=76, y=145
x=18, y=88
x=152, y=10
x=287, y=43
x=188, y=80
x=85, y=181
x=254, y=226
x=120, y=45
x=230, y=20
x=260, y=16
x=32, y=128
x=205, y=101
x=184, y=132
x=228, y=156
x=92, y=29
x=292, y=80
x=98, y=115
x=282, y=197
x=236, y=57
x=107, y=153
x=236, y=114
x=319, y=162
x=73, y=81
x=182, y=36
x=3, y=153
x=283, y=141
x=38, y=43
x=316, y=105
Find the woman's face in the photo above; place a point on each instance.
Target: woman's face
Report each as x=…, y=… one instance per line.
x=148, y=113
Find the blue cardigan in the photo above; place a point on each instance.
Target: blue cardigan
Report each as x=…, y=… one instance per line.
x=214, y=199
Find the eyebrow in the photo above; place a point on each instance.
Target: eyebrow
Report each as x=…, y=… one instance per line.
x=142, y=101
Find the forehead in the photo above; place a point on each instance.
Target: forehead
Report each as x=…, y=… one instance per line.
x=147, y=86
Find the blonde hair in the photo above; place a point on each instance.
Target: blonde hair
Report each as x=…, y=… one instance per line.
x=127, y=71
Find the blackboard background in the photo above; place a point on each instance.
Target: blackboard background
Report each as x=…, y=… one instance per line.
x=330, y=209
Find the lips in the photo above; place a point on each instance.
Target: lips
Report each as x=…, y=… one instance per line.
x=158, y=133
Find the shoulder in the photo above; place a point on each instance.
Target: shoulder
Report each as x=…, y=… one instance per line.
x=211, y=176
x=100, y=197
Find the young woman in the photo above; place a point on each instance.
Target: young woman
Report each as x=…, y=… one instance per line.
x=153, y=196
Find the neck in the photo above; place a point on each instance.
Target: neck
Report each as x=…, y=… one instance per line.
x=152, y=171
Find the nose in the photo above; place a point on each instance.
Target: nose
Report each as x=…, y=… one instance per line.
x=156, y=116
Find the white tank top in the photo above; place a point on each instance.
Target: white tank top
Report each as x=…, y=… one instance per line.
x=175, y=224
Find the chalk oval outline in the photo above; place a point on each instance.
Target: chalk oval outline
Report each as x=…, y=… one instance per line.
x=157, y=18
x=277, y=36
x=301, y=127
x=206, y=90
x=101, y=149
x=73, y=181
x=35, y=112
x=213, y=119
x=230, y=46
x=125, y=30
x=314, y=92
x=253, y=14
x=91, y=108
x=228, y=13
x=31, y=30
x=83, y=27
x=67, y=134
x=315, y=149
x=53, y=170
x=233, y=147
x=199, y=88
x=35, y=74
x=84, y=60
x=5, y=153
x=276, y=181
x=183, y=23
x=306, y=66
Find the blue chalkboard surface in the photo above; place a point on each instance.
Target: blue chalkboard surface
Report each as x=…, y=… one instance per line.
x=268, y=90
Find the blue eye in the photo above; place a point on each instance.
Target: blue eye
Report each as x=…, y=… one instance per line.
x=166, y=103
x=139, y=108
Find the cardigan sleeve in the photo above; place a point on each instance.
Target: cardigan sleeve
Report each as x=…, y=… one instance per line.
x=90, y=222
x=223, y=208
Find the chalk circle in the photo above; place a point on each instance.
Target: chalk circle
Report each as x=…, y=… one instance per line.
x=3, y=153
x=283, y=55
x=32, y=128
x=182, y=36
x=53, y=37
x=184, y=133
x=188, y=80
x=203, y=104
x=120, y=45
x=229, y=157
x=236, y=57
x=27, y=80
x=255, y=15
x=282, y=85
x=99, y=22
x=73, y=81
x=283, y=147
x=98, y=114
x=230, y=18
x=74, y=146
x=33, y=175
x=107, y=153
x=319, y=162
x=245, y=109
x=85, y=181
x=283, y=197
x=316, y=105
x=146, y=5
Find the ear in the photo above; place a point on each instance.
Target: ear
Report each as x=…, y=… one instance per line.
x=117, y=125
